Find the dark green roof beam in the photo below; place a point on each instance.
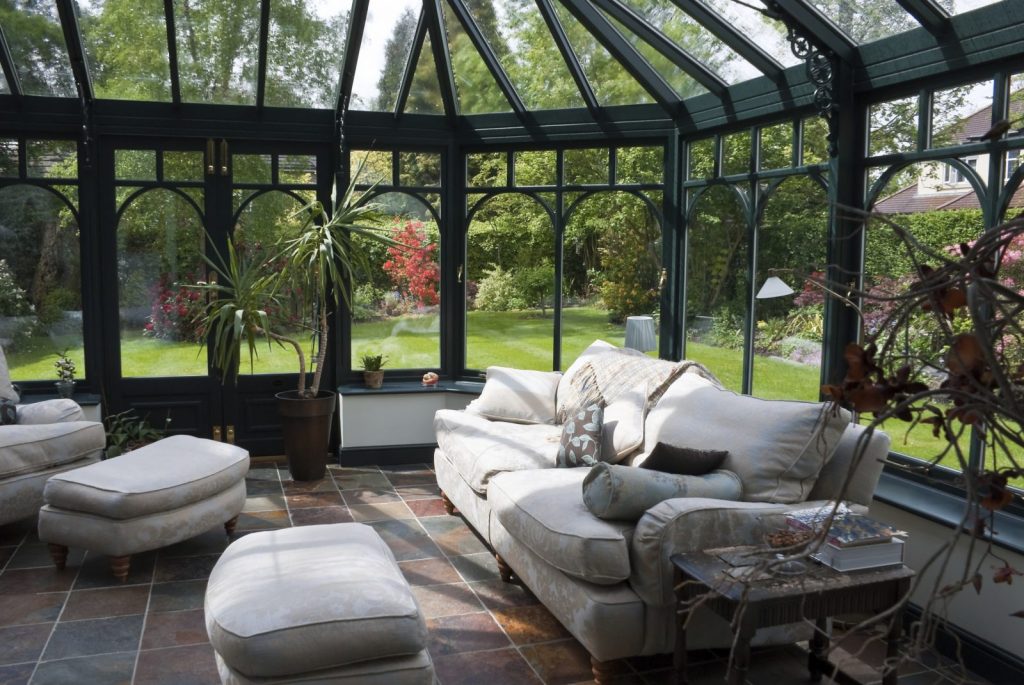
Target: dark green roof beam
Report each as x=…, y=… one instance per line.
x=735, y=39
x=473, y=31
x=817, y=28
x=172, y=51
x=7, y=63
x=928, y=14
x=666, y=47
x=620, y=48
x=571, y=61
x=410, y=65
x=76, y=53
x=439, y=45
x=261, y=68
x=357, y=20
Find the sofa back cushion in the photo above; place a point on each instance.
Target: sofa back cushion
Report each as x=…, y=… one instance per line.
x=776, y=447
x=517, y=395
x=866, y=458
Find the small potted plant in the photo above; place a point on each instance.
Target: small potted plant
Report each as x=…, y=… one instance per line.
x=66, y=373
x=373, y=377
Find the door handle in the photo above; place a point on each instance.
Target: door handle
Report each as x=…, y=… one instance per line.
x=223, y=157
x=210, y=164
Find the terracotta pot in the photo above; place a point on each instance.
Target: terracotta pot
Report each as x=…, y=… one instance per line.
x=373, y=379
x=306, y=423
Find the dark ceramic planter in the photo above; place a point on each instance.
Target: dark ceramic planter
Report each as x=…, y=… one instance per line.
x=306, y=423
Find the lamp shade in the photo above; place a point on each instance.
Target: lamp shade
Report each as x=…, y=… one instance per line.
x=640, y=333
x=773, y=287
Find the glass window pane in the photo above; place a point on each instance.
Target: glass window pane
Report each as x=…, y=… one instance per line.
x=40, y=283
x=640, y=164
x=304, y=49
x=396, y=308
x=372, y=167
x=487, y=169
x=419, y=169
x=52, y=158
x=701, y=161
x=893, y=126
x=387, y=41
x=717, y=284
x=814, y=137
x=217, y=51
x=138, y=73
x=250, y=168
x=9, y=157
x=612, y=84
x=612, y=266
x=864, y=22
x=769, y=34
x=535, y=168
x=789, y=330
x=961, y=6
x=477, y=90
x=961, y=114
x=36, y=42
x=520, y=40
x=183, y=166
x=4, y=88
x=160, y=243
x=736, y=153
x=135, y=165
x=296, y=169
x=510, y=278
x=777, y=146
x=425, y=89
x=586, y=166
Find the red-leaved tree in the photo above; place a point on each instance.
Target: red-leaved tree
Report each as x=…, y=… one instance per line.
x=412, y=263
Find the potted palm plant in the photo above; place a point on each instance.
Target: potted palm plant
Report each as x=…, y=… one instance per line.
x=319, y=261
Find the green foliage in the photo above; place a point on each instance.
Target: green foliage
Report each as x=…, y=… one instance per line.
x=54, y=303
x=65, y=367
x=373, y=362
x=886, y=255
x=497, y=292
x=126, y=431
x=13, y=300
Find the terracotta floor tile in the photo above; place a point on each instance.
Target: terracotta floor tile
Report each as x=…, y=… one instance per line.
x=385, y=511
x=192, y=665
x=427, y=507
x=262, y=473
x=307, y=500
x=263, y=487
x=16, y=532
x=32, y=580
x=358, y=479
x=562, y=662
x=446, y=600
x=95, y=571
x=465, y=633
x=453, y=535
x=37, y=555
x=498, y=667
x=263, y=520
x=213, y=541
x=481, y=566
x=106, y=602
x=16, y=610
x=23, y=643
x=109, y=669
x=413, y=492
x=429, y=572
x=497, y=594
x=296, y=487
x=376, y=495
x=16, y=674
x=174, y=629
x=177, y=596
x=185, y=568
x=318, y=515
x=5, y=555
x=402, y=468
x=255, y=503
x=417, y=477
x=406, y=538
x=96, y=636
x=529, y=624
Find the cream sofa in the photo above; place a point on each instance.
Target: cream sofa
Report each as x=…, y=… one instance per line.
x=610, y=582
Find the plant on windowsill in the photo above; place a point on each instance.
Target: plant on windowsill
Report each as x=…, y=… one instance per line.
x=66, y=375
x=373, y=376
x=127, y=432
x=308, y=273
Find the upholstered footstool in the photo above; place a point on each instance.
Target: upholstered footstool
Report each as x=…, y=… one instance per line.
x=324, y=604
x=151, y=497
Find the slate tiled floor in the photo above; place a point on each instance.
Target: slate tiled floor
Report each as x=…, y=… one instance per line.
x=80, y=626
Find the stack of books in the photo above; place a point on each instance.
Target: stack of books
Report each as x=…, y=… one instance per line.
x=853, y=542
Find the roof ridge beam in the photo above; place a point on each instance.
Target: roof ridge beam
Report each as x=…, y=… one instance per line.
x=442, y=61
x=261, y=60
x=7, y=63
x=76, y=52
x=623, y=52
x=928, y=14
x=410, y=66
x=356, y=22
x=735, y=39
x=487, y=54
x=660, y=42
x=815, y=27
x=571, y=61
x=172, y=51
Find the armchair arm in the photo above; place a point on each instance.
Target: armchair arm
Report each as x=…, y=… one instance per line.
x=690, y=525
x=49, y=411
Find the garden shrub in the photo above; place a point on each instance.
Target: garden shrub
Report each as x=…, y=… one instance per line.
x=497, y=292
x=54, y=303
x=13, y=300
x=412, y=264
x=175, y=311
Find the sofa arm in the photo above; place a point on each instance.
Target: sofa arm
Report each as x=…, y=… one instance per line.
x=690, y=525
x=49, y=411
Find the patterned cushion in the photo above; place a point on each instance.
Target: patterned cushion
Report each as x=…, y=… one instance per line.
x=8, y=413
x=569, y=387
x=581, y=438
x=580, y=392
x=683, y=461
x=7, y=391
x=624, y=493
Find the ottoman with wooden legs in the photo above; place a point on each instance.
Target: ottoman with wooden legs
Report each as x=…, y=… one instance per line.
x=151, y=497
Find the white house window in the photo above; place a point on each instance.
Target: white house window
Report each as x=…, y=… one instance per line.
x=1012, y=162
x=951, y=174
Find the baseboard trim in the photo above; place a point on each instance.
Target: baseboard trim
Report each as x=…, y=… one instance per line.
x=387, y=455
x=981, y=657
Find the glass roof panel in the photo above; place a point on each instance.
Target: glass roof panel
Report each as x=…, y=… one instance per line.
x=126, y=45
x=387, y=41
x=217, y=51
x=961, y=6
x=769, y=34
x=517, y=34
x=682, y=83
x=425, y=90
x=864, y=22
x=4, y=88
x=304, y=50
x=478, y=91
x=689, y=34
x=612, y=84
x=36, y=42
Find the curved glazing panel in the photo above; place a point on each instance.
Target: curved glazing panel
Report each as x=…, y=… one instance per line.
x=217, y=51
x=126, y=44
x=387, y=41
x=36, y=42
x=864, y=22
x=683, y=84
x=304, y=48
x=770, y=35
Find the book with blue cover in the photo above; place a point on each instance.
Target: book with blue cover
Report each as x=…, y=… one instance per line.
x=847, y=530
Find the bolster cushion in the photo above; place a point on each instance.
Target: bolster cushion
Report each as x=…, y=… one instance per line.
x=624, y=493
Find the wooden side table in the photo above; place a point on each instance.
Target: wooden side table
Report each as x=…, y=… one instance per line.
x=816, y=595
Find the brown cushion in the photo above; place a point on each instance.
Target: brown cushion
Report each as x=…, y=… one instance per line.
x=685, y=461
x=580, y=444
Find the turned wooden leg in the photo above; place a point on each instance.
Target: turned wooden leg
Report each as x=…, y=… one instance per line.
x=506, y=572
x=120, y=565
x=59, y=554
x=229, y=526
x=448, y=506
x=604, y=671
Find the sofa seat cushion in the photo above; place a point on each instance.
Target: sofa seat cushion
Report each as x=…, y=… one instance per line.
x=299, y=600
x=28, y=448
x=544, y=511
x=169, y=474
x=479, y=448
